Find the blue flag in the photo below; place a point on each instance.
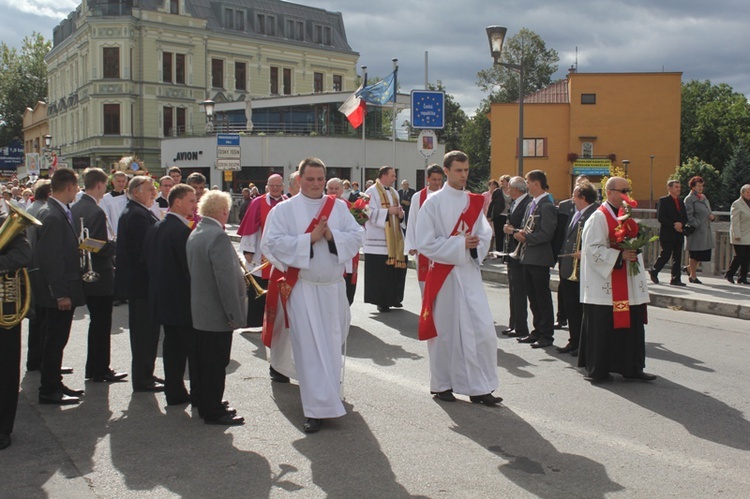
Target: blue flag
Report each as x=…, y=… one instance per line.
x=381, y=92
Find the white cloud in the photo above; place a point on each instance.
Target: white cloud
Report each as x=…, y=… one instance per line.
x=54, y=9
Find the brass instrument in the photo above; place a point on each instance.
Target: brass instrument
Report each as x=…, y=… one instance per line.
x=15, y=287
x=250, y=281
x=528, y=228
x=576, y=249
x=89, y=275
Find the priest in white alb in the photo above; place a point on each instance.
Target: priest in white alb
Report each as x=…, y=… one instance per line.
x=456, y=319
x=311, y=237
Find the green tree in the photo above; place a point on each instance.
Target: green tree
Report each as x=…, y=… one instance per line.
x=697, y=167
x=714, y=120
x=539, y=64
x=475, y=142
x=736, y=174
x=23, y=82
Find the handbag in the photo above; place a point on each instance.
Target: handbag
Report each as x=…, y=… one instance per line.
x=687, y=229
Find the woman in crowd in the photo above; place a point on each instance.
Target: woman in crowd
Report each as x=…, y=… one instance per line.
x=701, y=242
x=739, y=236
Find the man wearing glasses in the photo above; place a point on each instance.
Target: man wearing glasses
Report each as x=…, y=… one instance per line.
x=614, y=302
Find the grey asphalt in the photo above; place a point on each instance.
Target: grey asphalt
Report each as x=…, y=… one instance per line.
x=556, y=435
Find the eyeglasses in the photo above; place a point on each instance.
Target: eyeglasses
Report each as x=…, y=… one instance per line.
x=623, y=191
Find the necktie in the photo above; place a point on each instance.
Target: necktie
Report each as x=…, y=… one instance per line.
x=512, y=205
x=533, y=207
x=69, y=215
x=576, y=218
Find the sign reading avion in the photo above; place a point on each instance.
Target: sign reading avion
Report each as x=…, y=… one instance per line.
x=228, y=151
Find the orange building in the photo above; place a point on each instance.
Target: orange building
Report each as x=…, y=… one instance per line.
x=590, y=120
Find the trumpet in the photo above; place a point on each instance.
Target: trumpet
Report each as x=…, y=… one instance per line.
x=527, y=228
x=89, y=275
x=250, y=281
x=574, y=274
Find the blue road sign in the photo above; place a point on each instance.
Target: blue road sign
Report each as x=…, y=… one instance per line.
x=227, y=139
x=427, y=109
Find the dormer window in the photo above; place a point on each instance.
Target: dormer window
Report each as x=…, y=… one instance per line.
x=174, y=6
x=266, y=25
x=234, y=19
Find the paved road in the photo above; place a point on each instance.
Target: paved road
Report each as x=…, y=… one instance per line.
x=686, y=435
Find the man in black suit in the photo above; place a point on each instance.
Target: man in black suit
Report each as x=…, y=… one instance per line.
x=520, y=200
x=538, y=258
x=169, y=291
x=99, y=293
x=14, y=256
x=405, y=194
x=584, y=201
x=60, y=286
x=672, y=216
x=131, y=281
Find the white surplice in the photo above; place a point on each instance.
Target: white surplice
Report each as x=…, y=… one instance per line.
x=318, y=309
x=410, y=239
x=463, y=356
x=597, y=262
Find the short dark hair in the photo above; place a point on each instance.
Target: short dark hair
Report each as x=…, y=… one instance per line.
x=311, y=161
x=538, y=176
x=174, y=169
x=453, y=156
x=586, y=191
x=42, y=189
x=695, y=180
x=495, y=183
x=62, y=178
x=433, y=168
x=179, y=191
x=93, y=176
x=384, y=170
x=196, y=178
x=672, y=181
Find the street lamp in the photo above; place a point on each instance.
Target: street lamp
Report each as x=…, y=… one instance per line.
x=48, y=145
x=651, y=198
x=625, y=163
x=208, y=108
x=496, y=36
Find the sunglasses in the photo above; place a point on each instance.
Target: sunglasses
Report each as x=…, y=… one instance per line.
x=623, y=191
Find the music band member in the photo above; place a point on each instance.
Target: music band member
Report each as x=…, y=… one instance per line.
x=518, y=322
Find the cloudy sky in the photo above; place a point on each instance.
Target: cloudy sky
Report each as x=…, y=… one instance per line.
x=702, y=39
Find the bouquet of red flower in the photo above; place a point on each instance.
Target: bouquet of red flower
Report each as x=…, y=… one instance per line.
x=360, y=209
x=631, y=235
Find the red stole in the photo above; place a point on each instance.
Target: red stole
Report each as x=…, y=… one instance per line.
x=439, y=271
x=620, y=301
x=281, y=283
x=423, y=263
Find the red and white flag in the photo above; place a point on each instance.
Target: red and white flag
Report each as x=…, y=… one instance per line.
x=354, y=108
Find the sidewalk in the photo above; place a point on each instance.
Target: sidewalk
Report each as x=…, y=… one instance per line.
x=715, y=296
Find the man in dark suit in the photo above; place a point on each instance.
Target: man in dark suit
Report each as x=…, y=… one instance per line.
x=584, y=199
x=14, y=256
x=169, y=291
x=520, y=200
x=60, y=286
x=131, y=281
x=538, y=258
x=670, y=211
x=100, y=292
x=42, y=190
x=405, y=194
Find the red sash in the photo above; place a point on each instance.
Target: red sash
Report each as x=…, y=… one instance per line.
x=439, y=271
x=423, y=263
x=280, y=284
x=620, y=302
x=265, y=209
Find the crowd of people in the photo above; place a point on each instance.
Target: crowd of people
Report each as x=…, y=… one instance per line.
x=165, y=253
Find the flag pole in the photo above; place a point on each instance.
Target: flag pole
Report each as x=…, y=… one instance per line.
x=364, y=142
x=395, y=93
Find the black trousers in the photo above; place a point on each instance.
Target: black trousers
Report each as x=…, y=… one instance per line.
x=536, y=279
x=36, y=339
x=10, y=376
x=740, y=261
x=670, y=249
x=180, y=346
x=56, y=334
x=100, y=335
x=144, y=342
x=569, y=292
x=384, y=284
x=519, y=313
x=214, y=349
x=498, y=222
x=256, y=306
x=351, y=289
x=562, y=312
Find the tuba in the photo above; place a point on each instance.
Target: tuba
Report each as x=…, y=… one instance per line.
x=15, y=287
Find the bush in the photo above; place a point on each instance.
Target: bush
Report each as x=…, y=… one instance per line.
x=736, y=174
x=712, y=186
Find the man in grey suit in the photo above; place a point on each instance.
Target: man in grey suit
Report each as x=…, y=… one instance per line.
x=218, y=302
x=537, y=258
x=584, y=199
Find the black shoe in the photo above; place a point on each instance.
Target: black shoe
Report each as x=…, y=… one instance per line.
x=109, y=377
x=157, y=380
x=4, y=441
x=156, y=387
x=58, y=398
x=654, y=276
x=686, y=270
x=66, y=370
x=277, y=376
x=312, y=425
x=507, y=331
x=227, y=420
x=517, y=334
x=398, y=305
x=574, y=353
x=678, y=283
x=528, y=339
x=695, y=281
x=641, y=376
x=742, y=281
x=599, y=379
x=541, y=343
x=560, y=324
x=487, y=399
x=383, y=309
x=566, y=349
x=70, y=392
x=729, y=278
x=446, y=396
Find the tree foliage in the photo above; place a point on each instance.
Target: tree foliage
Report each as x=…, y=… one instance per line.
x=23, y=82
x=736, y=174
x=697, y=167
x=475, y=142
x=714, y=120
x=455, y=120
x=539, y=63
